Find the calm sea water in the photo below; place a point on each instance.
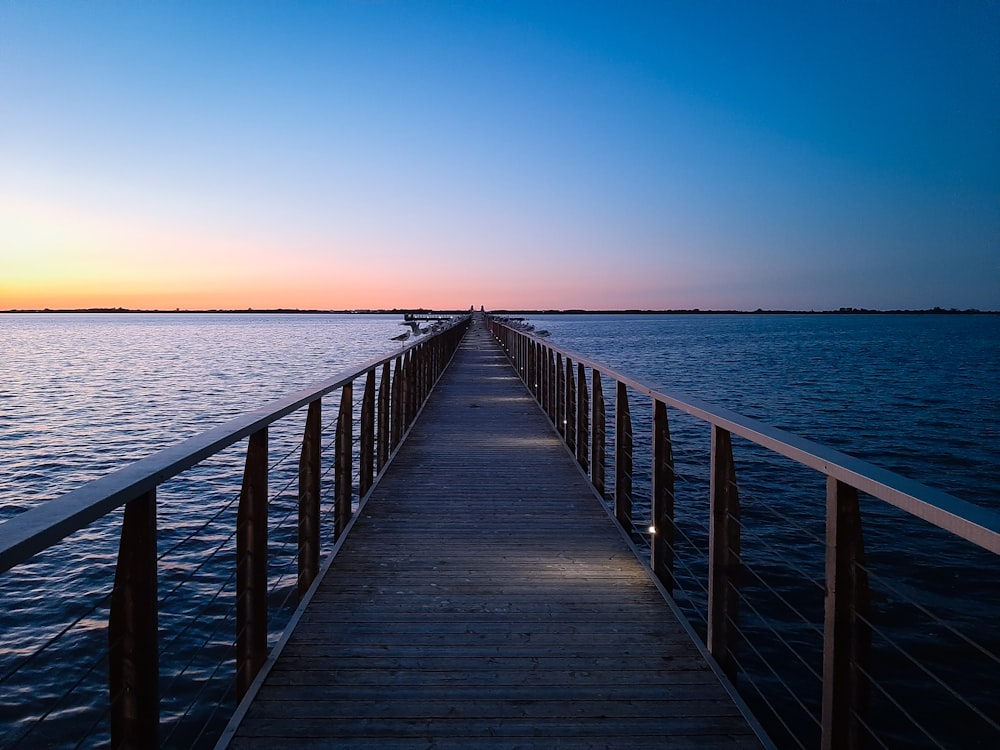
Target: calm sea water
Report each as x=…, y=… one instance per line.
x=919, y=395
x=81, y=395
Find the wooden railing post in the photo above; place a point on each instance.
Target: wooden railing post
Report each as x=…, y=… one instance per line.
x=434, y=357
x=420, y=375
x=723, y=553
x=133, y=649
x=557, y=412
x=546, y=383
x=396, y=409
x=662, y=552
x=541, y=365
x=524, y=347
x=413, y=385
x=251, y=565
x=366, y=475
x=533, y=369
x=382, y=453
x=583, y=425
x=545, y=379
x=435, y=362
x=846, y=634
x=544, y=365
x=420, y=362
x=569, y=421
x=309, y=494
x=408, y=387
x=426, y=354
x=552, y=391
x=599, y=448
x=529, y=365
x=623, y=458
x=557, y=389
x=343, y=450
x=431, y=366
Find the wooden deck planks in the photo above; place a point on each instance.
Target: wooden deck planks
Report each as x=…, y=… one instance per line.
x=485, y=599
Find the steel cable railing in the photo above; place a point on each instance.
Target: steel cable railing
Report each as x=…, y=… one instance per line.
x=979, y=648
x=80, y=628
x=779, y=637
x=767, y=697
x=195, y=653
x=925, y=735
x=54, y=639
x=192, y=651
x=870, y=731
x=96, y=663
x=932, y=675
x=793, y=693
x=781, y=691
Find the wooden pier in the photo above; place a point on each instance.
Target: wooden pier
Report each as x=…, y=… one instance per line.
x=483, y=597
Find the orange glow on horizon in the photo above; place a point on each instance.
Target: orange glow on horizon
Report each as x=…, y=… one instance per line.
x=315, y=284
x=72, y=256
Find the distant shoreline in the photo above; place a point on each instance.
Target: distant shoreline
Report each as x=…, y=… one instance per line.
x=840, y=311
x=424, y=311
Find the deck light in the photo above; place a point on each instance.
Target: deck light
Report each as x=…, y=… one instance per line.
x=652, y=529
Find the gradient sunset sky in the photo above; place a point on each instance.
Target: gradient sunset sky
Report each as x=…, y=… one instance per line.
x=509, y=154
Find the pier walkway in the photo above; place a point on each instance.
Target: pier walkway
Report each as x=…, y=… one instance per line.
x=484, y=598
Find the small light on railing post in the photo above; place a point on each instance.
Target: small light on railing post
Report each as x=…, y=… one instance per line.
x=652, y=529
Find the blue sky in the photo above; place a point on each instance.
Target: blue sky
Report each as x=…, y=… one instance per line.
x=382, y=154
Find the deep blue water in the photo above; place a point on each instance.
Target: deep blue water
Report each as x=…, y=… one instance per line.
x=919, y=395
x=81, y=395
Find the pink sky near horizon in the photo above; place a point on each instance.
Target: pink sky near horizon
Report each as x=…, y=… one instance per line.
x=334, y=288
x=92, y=257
